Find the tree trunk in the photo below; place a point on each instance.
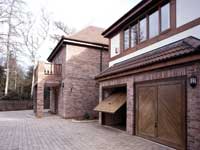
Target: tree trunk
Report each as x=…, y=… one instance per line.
x=8, y=63
x=8, y=48
x=8, y=60
x=7, y=77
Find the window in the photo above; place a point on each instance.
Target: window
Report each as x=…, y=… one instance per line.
x=134, y=35
x=154, y=22
x=115, y=50
x=165, y=17
x=153, y=25
x=143, y=30
x=126, y=39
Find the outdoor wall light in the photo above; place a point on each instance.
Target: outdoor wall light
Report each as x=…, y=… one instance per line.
x=193, y=81
x=63, y=85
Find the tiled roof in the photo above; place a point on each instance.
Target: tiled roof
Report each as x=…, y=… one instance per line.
x=90, y=34
x=178, y=49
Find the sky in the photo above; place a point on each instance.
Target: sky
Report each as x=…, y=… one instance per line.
x=81, y=13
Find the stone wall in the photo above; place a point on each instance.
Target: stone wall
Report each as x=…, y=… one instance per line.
x=11, y=105
x=193, y=97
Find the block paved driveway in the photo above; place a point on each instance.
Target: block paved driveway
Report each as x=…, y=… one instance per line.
x=20, y=130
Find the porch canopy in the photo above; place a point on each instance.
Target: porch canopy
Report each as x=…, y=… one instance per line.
x=112, y=103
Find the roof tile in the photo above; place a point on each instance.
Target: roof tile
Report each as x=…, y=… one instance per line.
x=180, y=48
x=90, y=34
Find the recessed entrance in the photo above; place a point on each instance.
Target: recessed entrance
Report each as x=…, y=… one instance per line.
x=160, y=112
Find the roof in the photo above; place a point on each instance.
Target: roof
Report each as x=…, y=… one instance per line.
x=90, y=37
x=90, y=34
x=184, y=47
x=137, y=10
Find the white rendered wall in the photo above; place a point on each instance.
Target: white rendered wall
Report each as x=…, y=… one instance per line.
x=195, y=31
x=186, y=11
x=115, y=43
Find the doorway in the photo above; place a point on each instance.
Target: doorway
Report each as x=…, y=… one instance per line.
x=113, y=107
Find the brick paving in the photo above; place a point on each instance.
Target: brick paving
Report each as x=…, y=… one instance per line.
x=20, y=130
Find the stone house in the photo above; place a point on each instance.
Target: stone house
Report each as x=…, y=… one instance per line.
x=152, y=86
x=70, y=73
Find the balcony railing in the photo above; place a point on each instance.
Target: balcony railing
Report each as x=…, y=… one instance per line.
x=47, y=71
x=52, y=69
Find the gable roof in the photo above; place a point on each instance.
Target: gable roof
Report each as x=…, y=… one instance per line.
x=184, y=47
x=89, y=37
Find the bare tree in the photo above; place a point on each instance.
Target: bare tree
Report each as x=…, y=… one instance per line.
x=34, y=35
x=61, y=29
x=11, y=19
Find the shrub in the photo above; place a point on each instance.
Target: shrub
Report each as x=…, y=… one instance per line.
x=13, y=95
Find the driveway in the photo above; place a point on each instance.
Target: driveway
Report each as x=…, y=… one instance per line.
x=20, y=130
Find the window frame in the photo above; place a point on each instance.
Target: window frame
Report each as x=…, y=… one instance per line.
x=158, y=30
x=147, y=24
x=146, y=15
x=116, y=36
x=136, y=39
x=160, y=17
x=128, y=30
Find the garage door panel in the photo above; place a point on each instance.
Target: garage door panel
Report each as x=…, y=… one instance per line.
x=169, y=110
x=146, y=111
x=161, y=112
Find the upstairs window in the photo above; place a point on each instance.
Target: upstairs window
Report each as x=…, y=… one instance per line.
x=165, y=17
x=143, y=30
x=126, y=39
x=156, y=21
x=134, y=35
x=153, y=24
x=114, y=45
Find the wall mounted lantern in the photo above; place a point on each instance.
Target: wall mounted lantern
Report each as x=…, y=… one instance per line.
x=193, y=81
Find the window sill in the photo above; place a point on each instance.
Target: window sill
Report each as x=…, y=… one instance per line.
x=146, y=42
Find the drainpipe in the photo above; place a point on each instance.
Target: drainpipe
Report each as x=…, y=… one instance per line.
x=101, y=54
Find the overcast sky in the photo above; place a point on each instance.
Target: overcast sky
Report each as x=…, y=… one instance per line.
x=82, y=13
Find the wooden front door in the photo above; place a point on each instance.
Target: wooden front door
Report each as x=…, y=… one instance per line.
x=160, y=112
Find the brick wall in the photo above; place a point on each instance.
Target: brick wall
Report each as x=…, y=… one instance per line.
x=105, y=60
x=60, y=58
x=11, y=105
x=193, y=98
x=78, y=93
x=80, y=89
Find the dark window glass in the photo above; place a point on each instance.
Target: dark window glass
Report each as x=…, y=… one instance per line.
x=143, y=30
x=126, y=39
x=153, y=24
x=134, y=34
x=165, y=17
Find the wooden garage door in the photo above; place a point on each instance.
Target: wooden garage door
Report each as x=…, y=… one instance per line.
x=147, y=110
x=161, y=112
